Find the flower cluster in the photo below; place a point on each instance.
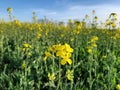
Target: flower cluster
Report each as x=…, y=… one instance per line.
x=61, y=51
x=111, y=22
x=69, y=75
x=51, y=76
x=26, y=48
x=93, y=44
x=17, y=23
x=78, y=28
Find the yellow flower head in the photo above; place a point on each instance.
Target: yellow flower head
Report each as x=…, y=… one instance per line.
x=118, y=87
x=17, y=23
x=62, y=35
x=59, y=47
x=23, y=65
x=78, y=27
x=94, y=45
x=26, y=45
x=29, y=54
x=51, y=76
x=47, y=54
x=65, y=60
x=61, y=51
x=94, y=39
x=89, y=50
x=69, y=75
x=71, y=39
x=38, y=35
x=52, y=49
x=61, y=54
x=113, y=25
x=68, y=48
x=9, y=9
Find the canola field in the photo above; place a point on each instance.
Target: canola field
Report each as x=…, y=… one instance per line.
x=55, y=56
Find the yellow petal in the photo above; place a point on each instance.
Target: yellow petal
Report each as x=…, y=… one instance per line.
x=63, y=62
x=44, y=58
x=69, y=61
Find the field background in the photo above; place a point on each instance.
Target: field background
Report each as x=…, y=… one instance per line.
x=47, y=55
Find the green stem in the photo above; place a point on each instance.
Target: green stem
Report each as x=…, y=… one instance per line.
x=59, y=74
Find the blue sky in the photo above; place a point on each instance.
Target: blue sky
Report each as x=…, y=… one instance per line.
x=59, y=9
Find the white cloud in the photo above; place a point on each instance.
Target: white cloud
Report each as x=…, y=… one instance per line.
x=44, y=12
x=70, y=12
x=79, y=12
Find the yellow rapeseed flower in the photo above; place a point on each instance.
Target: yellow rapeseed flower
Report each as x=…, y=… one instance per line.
x=69, y=75
x=68, y=48
x=26, y=45
x=29, y=53
x=89, y=50
x=23, y=65
x=17, y=23
x=71, y=39
x=118, y=87
x=94, y=39
x=47, y=54
x=61, y=53
x=62, y=35
x=38, y=35
x=9, y=9
x=59, y=47
x=65, y=60
x=113, y=25
x=94, y=45
x=78, y=27
x=51, y=76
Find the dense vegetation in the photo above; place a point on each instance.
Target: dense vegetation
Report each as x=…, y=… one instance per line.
x=51, y=56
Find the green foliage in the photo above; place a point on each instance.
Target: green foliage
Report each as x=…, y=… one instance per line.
x=22, y=50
